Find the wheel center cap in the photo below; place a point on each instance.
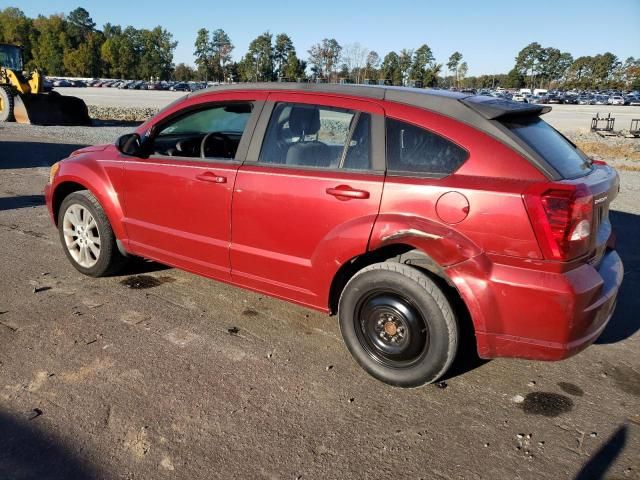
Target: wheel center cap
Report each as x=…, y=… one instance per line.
x=390, y=328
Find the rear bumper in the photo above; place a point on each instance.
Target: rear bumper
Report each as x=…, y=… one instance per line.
x=539, y=315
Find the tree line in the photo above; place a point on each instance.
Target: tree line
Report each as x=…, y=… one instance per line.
x=72, y=45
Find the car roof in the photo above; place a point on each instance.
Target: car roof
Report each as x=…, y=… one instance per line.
x=452, y=104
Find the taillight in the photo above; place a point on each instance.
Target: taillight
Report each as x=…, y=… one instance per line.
x=562, y=218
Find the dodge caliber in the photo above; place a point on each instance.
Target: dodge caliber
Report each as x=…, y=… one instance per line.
x=418, y=217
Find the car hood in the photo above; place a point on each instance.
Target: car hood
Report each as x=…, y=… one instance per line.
x=90, y=149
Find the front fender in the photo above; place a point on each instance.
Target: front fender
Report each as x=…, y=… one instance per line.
x=98, y=177
x=442, y=243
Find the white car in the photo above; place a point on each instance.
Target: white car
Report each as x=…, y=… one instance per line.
x=518, y=97
x=615, y=100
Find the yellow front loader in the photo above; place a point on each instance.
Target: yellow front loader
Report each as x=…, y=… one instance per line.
x=23, y=99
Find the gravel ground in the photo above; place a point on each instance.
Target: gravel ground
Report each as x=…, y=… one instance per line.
x=101, y=380
x=13, y=132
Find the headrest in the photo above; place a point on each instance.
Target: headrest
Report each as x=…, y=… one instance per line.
x=304, y=119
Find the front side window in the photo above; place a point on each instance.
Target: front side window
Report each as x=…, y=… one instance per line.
x=317, y=137
x=211, y=132
x=414, y=150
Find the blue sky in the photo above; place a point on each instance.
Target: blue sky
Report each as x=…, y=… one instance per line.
x=488, y=34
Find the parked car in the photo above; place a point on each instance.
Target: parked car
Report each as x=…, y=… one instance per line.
x=180, y=87
x=518, y=97
x=554, y=98
x=615, y=100
x=418, y=216
x=601, y=100
x=634, y=101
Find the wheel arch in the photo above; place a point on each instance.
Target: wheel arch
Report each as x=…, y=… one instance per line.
x=66, y=185
x=397, y=252
x=420, y=260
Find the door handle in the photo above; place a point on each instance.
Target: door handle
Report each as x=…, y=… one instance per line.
x=345, y=192
x=211, y=177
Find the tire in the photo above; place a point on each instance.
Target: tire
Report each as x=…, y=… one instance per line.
x=74, y=213
x=398, y=324
x=6, y=104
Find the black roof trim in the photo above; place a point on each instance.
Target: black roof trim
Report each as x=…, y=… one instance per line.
x=493, y=108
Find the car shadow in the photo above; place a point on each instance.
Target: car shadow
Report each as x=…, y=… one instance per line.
x=625, y=321
x=33, y=154
x=596, y=467
x=21, y=201
x=139, y=266
x=466, y=358
x=28, y=452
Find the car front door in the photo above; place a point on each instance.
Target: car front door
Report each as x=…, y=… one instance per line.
x=177, y=202
x=308, y=194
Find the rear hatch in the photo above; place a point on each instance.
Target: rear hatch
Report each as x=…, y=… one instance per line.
x=603, y=183
x=573, y=168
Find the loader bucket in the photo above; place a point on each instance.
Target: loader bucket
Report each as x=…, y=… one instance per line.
x=50, y=109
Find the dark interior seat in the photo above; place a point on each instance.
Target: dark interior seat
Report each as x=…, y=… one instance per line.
x=305, y=120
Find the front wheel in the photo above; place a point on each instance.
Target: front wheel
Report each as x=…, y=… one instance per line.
x=6, y=104
x=87, y=237
x=398, y=324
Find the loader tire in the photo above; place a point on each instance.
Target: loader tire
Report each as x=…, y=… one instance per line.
x=6, y=104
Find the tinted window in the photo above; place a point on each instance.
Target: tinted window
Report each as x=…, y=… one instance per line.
x=211, y=132
x=552, y=146
x=318, y=137
x=411, y=149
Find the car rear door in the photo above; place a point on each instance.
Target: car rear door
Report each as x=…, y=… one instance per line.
x=177, y=202
x=308, y=194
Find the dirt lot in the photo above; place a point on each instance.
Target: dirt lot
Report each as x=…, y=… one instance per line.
x=102, y=380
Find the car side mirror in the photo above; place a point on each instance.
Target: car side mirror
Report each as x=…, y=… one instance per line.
x=130, y=144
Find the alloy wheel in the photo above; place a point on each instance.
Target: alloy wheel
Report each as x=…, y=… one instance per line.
x=81, y=235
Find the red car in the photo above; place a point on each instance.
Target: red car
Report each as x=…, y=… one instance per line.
x=404, y=211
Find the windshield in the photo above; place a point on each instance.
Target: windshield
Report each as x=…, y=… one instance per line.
x=551, y=145
x=10, y=57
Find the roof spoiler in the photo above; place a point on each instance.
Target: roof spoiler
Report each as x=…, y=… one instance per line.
x=498, y=108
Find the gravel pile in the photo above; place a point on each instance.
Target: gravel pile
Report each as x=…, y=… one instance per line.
x=99, y=134
x=128, y=114
x=621, y=152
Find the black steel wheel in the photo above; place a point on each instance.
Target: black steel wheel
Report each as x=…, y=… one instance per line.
x=391, y=328
x=398, y=324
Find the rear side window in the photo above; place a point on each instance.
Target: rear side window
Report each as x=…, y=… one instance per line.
x=414, y=150
x=551, y=145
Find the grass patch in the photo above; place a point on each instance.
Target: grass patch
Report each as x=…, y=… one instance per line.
x=609, y=152
x=628, y=168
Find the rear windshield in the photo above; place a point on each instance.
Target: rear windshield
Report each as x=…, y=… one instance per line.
x=551, y=145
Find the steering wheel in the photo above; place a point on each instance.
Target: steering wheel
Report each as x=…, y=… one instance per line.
x=226, y=144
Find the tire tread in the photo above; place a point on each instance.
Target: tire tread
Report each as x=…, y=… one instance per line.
x=115, y=260
x=434, y=291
